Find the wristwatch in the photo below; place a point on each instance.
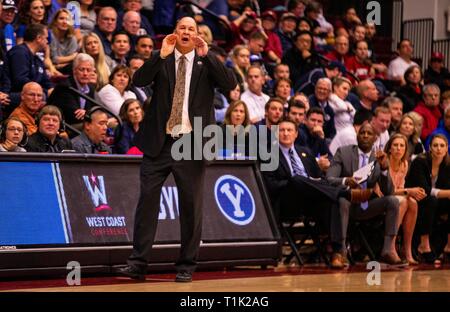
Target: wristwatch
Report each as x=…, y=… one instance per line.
x=405, y=192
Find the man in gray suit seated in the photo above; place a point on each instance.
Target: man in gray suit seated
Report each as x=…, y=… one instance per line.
x=346, y=161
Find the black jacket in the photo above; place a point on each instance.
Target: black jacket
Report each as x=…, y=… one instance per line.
x=315, y=144
x=207, y=73
x=69, y=101
x=40, y=144
x=280, y=178
x=409, y=97
x=298, y=66
x=419, y=174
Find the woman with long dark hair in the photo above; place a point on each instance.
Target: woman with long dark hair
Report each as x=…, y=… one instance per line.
x=431, y=171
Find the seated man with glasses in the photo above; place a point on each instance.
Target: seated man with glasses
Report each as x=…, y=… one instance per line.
x=72, y=105
x=30, y=104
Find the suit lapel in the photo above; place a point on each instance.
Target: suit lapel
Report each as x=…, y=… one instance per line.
x=305, y=161
x=355, y=159
x=196, y=69
x=170, y=67
x=284, y=163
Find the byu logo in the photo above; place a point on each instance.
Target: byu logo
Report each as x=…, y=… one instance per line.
x=96, y=188
x=234, y=199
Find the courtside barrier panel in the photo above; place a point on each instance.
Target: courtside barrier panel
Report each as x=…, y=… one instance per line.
x=57, y=208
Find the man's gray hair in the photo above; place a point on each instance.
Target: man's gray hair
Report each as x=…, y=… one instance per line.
x=430, y=86
x=325, y=80
x=83, y=57
x=391, y=100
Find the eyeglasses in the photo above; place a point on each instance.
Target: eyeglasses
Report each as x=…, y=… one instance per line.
x=84, y=70
x=38, y=95
x=12, y=129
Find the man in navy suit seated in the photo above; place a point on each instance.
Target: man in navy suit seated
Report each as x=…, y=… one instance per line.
x=299, y=180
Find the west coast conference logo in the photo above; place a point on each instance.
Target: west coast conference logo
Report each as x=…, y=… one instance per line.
x=234, y=199
x=96, y=187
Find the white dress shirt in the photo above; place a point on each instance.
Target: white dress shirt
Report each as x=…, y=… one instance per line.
x=112, y=99
x=186, y=126
x=255, y=104
x=397, y=67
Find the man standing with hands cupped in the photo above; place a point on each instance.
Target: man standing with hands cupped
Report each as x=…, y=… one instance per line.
x=184, y=74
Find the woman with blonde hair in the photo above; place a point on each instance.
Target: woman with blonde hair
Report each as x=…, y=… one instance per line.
x=64, y=46
x=92, y=45
x=240, y=56
x=409, y=129
x=396, y=150
x=205, y=32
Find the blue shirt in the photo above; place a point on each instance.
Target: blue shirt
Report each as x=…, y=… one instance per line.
x=285, y=151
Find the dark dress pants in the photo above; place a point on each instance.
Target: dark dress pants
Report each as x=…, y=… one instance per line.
x=188, y=175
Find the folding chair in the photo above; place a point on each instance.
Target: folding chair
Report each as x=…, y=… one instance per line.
x=359, y=230
x=302, y=229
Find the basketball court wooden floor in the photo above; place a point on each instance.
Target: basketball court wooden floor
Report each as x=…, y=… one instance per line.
x=311, y=278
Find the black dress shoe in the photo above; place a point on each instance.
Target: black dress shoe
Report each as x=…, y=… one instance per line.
x=427, y=257
x=183, y=277
x=132, y=272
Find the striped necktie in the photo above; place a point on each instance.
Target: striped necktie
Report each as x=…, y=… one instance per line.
x=298, y=169
x=365, y=204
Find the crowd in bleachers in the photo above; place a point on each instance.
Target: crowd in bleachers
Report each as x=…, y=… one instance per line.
x=291, y=60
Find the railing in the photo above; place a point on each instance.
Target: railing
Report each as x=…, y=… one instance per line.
x=397, y=18
x=443, y=46
x=421, y=34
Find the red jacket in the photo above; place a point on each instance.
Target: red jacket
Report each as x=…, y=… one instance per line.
x=431, y=116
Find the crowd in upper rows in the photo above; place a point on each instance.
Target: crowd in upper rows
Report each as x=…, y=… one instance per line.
x=293, y=53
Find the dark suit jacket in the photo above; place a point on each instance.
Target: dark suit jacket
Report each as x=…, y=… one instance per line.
x=68, y=101
x=346, y=162
x=419, y=174
x=409, y=97
x=314, y=143
x=147, y=91
x=328, y=125
x=280, y=178
x=207, y=73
